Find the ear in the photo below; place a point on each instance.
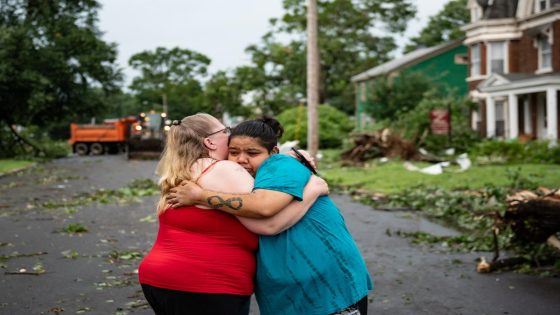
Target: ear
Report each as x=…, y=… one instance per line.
x=275, y=150
x=209, y=144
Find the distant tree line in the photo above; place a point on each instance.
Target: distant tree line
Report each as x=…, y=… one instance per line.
x=55, y=68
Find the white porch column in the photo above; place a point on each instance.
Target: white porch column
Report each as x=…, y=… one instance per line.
x=490, y=117
x=513, y=116
x=527, y=117
x=551, y=114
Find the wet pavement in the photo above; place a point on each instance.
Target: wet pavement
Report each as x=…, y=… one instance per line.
x=48, y=271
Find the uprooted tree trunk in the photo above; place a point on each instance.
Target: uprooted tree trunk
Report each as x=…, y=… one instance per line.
x=382, y=143
x=532, y=219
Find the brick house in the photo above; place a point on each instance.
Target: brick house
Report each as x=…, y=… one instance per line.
x=514, y=67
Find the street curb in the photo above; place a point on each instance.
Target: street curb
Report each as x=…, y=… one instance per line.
x=11, y=172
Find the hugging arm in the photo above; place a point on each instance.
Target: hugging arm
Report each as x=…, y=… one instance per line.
x=291, y=214
x=260, y=203
x=229, y=176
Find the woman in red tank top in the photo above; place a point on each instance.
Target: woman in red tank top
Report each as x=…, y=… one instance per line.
x=203, y=261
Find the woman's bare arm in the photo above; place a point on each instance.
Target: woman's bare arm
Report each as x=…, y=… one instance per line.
x=229, y=176
x=291, y=214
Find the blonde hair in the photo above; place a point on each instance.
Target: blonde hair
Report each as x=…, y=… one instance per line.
x=183, y=147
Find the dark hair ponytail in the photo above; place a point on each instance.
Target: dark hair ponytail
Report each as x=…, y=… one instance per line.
x=266, y=130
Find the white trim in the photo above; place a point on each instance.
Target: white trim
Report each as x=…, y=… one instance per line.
x=478, y=77
x=471, y=64
x=505, y=46
x=476, y=94
x=527, y=121
x=537, y=7
x=510, y=28
x=552, y=114
x=490, y=117
x=543, y=70
x=524, y=9
x=513, y=121
x=548, y=37
x=539, y=19
x=531, y=85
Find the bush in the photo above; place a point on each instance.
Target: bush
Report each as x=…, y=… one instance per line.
x=334, y=126
x=516, y=152
x=413, y=124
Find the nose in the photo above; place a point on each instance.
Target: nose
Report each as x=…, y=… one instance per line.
x=242, y=159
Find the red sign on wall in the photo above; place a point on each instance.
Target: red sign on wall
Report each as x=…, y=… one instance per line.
x=439, y=121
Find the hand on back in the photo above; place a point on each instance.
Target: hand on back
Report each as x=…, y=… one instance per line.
x=319, y=185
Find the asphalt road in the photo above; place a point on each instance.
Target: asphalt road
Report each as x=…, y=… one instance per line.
x=94, y=272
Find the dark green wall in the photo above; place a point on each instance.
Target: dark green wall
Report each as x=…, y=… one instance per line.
x=442, y=68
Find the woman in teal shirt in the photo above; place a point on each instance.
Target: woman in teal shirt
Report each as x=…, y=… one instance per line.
x=314, y=267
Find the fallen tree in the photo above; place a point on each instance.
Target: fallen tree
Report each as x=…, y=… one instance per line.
x=534, y=218
x=382, y=143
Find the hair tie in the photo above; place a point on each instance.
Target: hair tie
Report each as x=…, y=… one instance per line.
x=175, y=123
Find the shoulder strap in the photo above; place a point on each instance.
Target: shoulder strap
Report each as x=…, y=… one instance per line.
x=206, y=170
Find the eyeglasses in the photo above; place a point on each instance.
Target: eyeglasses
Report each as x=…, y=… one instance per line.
x=226, y=130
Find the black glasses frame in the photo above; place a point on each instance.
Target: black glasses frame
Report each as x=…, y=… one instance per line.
x=227, y=128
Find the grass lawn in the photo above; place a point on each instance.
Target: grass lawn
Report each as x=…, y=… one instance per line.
x=10, y=165
x=392, y=177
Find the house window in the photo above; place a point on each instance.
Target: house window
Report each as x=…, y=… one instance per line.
x=541, y=5
x=497, y=57
x=545, y=53
x=461, y=59
x=500, y=119
x=475, y=60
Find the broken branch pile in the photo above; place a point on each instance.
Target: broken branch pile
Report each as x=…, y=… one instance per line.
x=533, y=218
x=382, y=143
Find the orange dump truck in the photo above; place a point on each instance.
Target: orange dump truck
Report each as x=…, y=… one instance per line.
x=111, y=136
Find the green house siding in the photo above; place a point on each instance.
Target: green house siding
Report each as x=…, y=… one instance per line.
x=443, y=69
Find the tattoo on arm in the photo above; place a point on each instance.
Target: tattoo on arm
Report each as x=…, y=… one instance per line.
x=216, y=202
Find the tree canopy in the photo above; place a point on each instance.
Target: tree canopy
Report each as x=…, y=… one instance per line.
x=442, y=27
x=174, y=73
x=52, y=56
x=349, y=42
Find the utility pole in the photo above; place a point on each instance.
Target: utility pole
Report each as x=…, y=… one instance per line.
x=313, y=72
x=164, y=101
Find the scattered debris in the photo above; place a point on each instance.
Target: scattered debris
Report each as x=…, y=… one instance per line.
x=462, y=160
x=38, y=269
x=16, y=255
x=382, y=143
x=70, y=254
x=56, y=310
x=75, y=228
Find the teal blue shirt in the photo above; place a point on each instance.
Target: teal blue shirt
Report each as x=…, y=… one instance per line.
x=315, y=266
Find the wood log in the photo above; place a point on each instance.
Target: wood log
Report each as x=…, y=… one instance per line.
x=534, y=220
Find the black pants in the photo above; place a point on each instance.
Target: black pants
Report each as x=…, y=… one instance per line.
x=169, y=302
x=361, y=305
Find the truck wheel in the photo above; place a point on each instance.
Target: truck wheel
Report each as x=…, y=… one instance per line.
x=81, y=148
x=96, y=148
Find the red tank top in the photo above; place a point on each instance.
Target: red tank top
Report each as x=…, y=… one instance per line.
x=201, y=250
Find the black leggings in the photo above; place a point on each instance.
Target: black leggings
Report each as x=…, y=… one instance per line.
x=361, y=305
x=169, y=302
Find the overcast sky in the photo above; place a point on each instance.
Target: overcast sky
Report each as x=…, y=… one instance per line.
x=220, y=29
